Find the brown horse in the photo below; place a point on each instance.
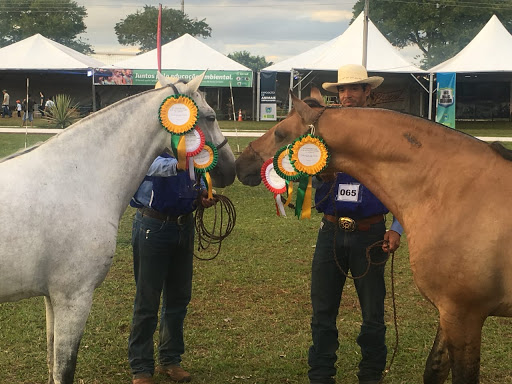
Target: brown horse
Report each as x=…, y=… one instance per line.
x=450, y=191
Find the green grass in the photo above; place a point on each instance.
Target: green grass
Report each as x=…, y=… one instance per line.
x=248, y=321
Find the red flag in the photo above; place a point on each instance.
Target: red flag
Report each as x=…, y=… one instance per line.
x=158, y=39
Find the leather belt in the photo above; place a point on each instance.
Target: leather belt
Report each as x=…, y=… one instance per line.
x=150, y=212
x=350, y=225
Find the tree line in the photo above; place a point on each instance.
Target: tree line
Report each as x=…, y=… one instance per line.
x=439, y=28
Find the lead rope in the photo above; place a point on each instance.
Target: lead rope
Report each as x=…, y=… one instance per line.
x=224, y=220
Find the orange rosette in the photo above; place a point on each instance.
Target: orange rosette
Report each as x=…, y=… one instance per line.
x=178, y=114
x=309, y=155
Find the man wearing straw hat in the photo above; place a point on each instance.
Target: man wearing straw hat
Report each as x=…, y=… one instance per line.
x=351, y=223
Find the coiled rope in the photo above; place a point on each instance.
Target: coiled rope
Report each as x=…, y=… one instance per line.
x=223, y=221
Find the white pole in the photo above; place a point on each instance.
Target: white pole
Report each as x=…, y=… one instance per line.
x=234, y=118
x=430, y=92
x=365, y=33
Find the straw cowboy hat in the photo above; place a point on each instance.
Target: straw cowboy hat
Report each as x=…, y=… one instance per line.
x=353, y=74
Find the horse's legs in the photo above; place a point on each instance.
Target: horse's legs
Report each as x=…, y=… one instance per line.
x=70, y=315
x=461, y=334
x=438, y=363
x=49, y=338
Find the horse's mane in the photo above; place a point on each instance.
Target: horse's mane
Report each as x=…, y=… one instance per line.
x=81, y=121
x=501, y=150
x=21, y=152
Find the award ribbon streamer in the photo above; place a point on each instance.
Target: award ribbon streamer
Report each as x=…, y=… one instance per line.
x=289, y=187
x=179, y=148
x=208, y=182
x=303, y=203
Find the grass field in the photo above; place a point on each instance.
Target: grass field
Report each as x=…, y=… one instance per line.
x=248, y=321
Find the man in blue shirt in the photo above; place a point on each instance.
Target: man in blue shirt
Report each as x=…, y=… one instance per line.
x=163, y=250
x=353, y=220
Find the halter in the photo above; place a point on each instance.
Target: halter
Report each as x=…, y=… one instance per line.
x=311, y=128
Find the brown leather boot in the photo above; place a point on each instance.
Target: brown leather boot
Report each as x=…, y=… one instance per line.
x=175, y=373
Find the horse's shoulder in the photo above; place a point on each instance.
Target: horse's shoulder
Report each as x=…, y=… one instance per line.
x=504, y=152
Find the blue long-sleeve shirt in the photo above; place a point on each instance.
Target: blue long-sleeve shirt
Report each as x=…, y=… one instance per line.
x=167, y=190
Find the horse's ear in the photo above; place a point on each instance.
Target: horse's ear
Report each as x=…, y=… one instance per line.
x=307, y=113
x=194, y=84
x=317, y=95
x=162, y=80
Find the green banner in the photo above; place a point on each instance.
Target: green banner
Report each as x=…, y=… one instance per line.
x=240, y=79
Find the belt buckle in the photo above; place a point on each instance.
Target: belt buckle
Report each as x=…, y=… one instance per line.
x=347, y=224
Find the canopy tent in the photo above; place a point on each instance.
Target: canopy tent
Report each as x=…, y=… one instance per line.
x=484, y=68
x=42, y=54
x=320, y=63
x=348, y=49
x=51, y=68
x=187, y=57
x=186, y=53
x=489, y=51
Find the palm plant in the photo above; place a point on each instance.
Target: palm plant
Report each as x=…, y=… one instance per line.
x=63, y=113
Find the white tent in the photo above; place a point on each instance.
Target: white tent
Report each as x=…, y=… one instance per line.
x=489, y=51
x=40, y=53
x=348, y=49
x=185, y=53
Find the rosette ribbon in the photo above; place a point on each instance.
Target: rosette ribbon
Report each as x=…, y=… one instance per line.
x=274, y=184
x=178, y=114
x=204, y=162
x=309, y=156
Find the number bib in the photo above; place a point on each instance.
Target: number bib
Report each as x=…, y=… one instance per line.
x=349, y=192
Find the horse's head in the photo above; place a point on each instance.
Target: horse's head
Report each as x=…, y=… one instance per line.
x=248, y=164
x=224, y=173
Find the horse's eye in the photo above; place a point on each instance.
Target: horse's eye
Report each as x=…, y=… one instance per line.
x=210, y=117
x=279, y=135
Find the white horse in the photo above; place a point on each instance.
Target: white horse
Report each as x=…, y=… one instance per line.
x=63, y=201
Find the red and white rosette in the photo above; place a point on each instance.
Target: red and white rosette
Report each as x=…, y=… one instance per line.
x=194, y=144
x=274, y=183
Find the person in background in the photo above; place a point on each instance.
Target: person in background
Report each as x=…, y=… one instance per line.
x=163, y=242
x=5, y=104
x=41, y=103
x=18, y=107
x=351, y=223
x=28, y=108
x=49, y=105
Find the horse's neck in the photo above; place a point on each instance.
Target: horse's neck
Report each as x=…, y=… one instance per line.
x=401, y=159
x=111, y=150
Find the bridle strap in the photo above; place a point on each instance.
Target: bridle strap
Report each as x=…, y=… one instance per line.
x=312, y=125
x=254, y=151
x=224, y=142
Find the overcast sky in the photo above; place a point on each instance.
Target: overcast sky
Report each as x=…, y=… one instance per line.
x=275, y=29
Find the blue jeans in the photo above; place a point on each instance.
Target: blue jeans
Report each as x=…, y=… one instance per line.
x=162, y=261
x=6, y=111
x=327, y=282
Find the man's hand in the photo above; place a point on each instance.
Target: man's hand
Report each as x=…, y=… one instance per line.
x=391, y=241
x=205, y=201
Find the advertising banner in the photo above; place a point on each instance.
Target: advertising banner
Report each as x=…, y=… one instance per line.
x=240, y=79
x=446, y=99
x=268, y=107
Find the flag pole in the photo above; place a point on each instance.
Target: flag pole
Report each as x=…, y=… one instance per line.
x=159, y=39
x=365, y=33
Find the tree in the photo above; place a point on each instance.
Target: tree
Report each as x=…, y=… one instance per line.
x=256, y=63
x=59, y=20
x=140, y=28
x=440, y=29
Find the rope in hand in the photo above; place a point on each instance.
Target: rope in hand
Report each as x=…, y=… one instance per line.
x=224, y=220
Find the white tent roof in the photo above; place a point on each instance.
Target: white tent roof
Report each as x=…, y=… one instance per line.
x=348, y=49
x=40, y=53
x=185, y=53
x=489, y=51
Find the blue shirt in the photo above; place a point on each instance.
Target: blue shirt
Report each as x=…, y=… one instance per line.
x=348, y=197
x=166, y=190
